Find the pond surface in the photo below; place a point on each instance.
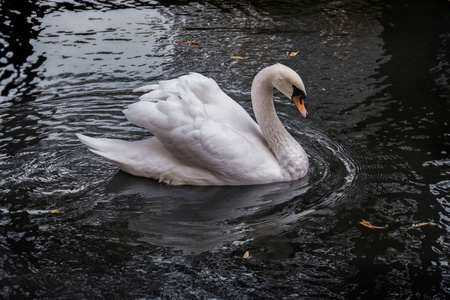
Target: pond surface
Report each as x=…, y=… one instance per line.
x=377, y=75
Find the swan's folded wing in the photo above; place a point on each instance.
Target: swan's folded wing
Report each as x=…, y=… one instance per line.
x=185, y=129
x=195, y=91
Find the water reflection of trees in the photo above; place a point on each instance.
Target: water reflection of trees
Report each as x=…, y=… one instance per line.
x=20, y=25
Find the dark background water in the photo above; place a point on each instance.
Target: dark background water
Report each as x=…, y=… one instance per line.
x=377, y=77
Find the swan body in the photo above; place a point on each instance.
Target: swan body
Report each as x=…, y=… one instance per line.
x=203, y=137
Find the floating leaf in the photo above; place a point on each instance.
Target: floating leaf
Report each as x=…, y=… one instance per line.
x=194, y=42
x=292, y=53
x=423, y=224
x=236, y=57
x=246, y=255
x=368, y=225
x=55, y=212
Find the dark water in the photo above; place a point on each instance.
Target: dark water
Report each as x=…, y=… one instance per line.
x=377, y=75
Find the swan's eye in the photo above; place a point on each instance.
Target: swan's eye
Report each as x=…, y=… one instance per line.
x=298, y=92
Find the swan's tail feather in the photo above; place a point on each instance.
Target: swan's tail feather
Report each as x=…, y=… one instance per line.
x=101, y=146
x=132, y=157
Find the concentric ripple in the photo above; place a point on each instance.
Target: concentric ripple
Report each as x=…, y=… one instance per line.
x=196, y=219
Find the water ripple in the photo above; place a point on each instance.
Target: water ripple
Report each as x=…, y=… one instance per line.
x=377, y=138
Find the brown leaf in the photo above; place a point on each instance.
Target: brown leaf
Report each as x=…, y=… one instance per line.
x=292, y=53
x=194, y=42
x=369, y=225
x=423, y=224
x=246, y=255
x=236, y=57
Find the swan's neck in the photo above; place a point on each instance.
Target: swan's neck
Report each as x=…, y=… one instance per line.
x=290, y=155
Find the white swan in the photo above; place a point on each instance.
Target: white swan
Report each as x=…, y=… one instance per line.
x=203, y=137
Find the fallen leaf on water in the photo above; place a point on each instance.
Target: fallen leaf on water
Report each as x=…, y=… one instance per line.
x=423, y=224
x=55, y=212
x=246, y=255
x=368, y=225
x=194, y=42
x=236, y=57
x=1, y=121
x=292, y=53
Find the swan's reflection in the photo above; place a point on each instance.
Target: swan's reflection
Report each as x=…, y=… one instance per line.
x=196, y=219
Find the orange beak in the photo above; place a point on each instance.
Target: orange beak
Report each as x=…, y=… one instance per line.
x=298, y=100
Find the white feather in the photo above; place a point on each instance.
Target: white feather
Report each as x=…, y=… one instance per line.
x=203, y=137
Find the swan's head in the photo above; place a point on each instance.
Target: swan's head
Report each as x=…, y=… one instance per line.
x=290, y=84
